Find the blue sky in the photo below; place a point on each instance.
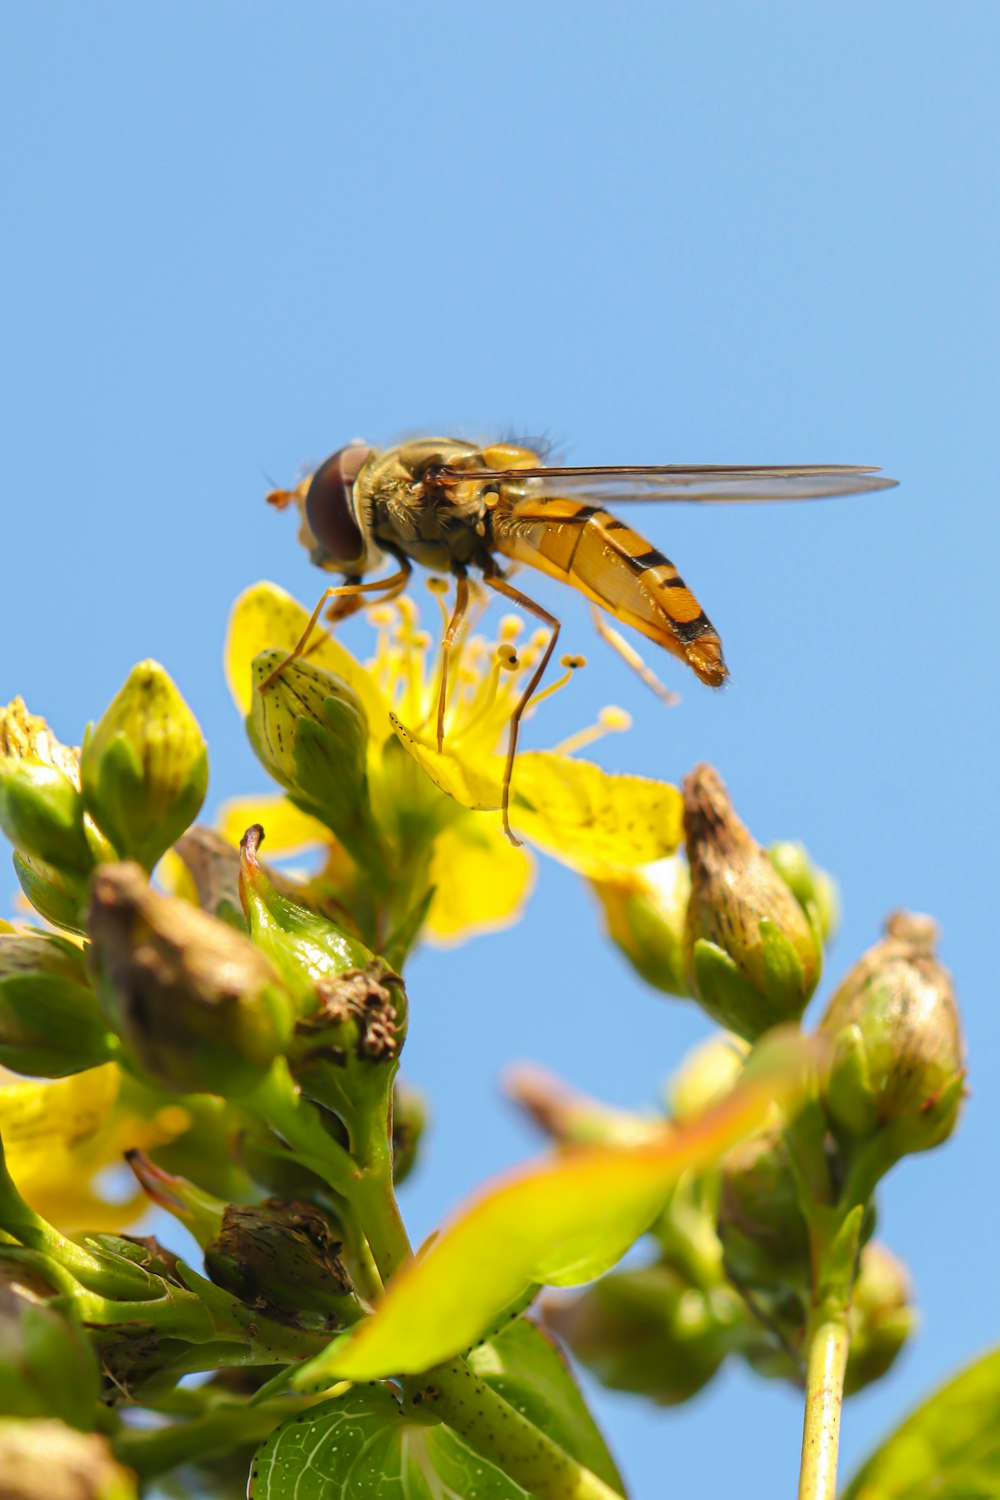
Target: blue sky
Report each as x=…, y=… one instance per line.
x=238, y=236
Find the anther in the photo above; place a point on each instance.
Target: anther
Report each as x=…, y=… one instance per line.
x=573, y=663
x=507, y=657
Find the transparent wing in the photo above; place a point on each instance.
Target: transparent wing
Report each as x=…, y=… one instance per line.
x=703, y=483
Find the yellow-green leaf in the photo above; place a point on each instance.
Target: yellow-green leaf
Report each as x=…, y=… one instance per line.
x=265, y=617
x=594, y=821
x=560, y=1221
x=948, y=1449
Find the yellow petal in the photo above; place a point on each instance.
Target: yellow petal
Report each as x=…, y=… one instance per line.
x=265, y=616
x=286, y=829
x=481, y=882
x=469, y=784
x=58, y=1134
x=593, y=821
x=558, y=1222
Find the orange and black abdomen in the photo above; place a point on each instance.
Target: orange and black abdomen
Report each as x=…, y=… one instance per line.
x=614, y=566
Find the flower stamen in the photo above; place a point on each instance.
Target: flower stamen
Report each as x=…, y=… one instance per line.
x=610, y=720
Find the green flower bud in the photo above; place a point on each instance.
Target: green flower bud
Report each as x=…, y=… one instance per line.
x=645, y=912
x=60, y=898
x=282, y=1258
x=814, y=890
x=144, y=766
x=705, y=1076
x=309, y=730
x=881, y=1318
x=765, y=1238
x=45, y=1460
x=41, y=812
x=47, y=1364
x=307, y=948
x=50, y=1021
x=409, y=1121
x=200, y=1007
x=753, y=959
x=647, y=1331
x=897, y=1067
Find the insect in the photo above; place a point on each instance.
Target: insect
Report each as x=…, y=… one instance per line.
x=452, y=506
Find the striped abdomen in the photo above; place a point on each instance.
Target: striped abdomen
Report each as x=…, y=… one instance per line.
x=616, y=568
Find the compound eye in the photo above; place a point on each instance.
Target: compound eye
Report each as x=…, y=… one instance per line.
x=330, y=505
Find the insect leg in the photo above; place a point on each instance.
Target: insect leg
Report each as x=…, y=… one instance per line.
x=501, y=586
x=390, y=587
x=447, y=643
x=629, y=654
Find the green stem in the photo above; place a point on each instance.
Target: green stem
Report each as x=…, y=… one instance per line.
x=211, y=1434
x=278, y=1104
x=499, y=1432
x=827, y=1345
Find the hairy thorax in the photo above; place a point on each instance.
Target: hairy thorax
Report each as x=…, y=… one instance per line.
x=438, y=528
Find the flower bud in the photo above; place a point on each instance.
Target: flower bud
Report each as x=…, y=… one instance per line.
x=765, y=1238
x=51, y=1024
x=212, y=864
x=409, y=1121
x=309, y=730
x=47, y=1364
x=572, y=1118
x=307, y=948
x=200, y=1007
x=705, y=1076
x=647, y=1331
x=814, y=890
x=201, y=1213
x=144, y=766
x=282, y=1258
x=753, y=959
x=41, y=812
x=645, y=911
x=881, y=1317
x=897, y=1064
x=45, y=1460
x=58, y=897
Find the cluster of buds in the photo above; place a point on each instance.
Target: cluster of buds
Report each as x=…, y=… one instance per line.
x=266, y=1031
x=741, y=931
x=133, y=789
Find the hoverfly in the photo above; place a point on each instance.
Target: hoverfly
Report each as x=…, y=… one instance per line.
x=451, y=506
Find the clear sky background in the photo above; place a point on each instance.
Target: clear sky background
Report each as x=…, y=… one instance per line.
x=237, y=236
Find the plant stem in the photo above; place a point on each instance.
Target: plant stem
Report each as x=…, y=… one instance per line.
x=502, y=1435
x=827, y=1345
x=214, y=1432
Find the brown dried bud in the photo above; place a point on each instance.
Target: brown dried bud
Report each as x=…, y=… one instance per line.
x=200, y=1007
x=752, y=955
x=283, y=1259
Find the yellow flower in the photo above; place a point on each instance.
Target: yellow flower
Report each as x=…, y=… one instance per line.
x=59, y=1135
x=595, y=822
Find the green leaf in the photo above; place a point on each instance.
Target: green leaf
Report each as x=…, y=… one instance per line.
x=526, y=1367
x=367, y=1447
x=949, y=1449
